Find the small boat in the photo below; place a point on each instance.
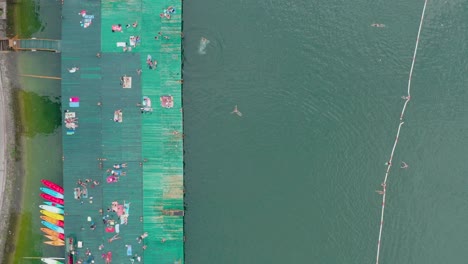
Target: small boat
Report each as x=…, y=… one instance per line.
x=52, y=209
x=51, y=192
x=55, y=243
x=49, y=197
x=50, y=261
x=53, y=238
x=52, y=186
x=53, y=204
x=53, y=215
x=53, y=227
x=52, y=220
x=52, y=233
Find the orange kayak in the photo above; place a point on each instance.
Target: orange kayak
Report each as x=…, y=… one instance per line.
x=55, y=243
x=52, y=220
x=51, y=232
x=53, y=238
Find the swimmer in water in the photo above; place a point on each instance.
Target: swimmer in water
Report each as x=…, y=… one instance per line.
x=203, y=43
x=404, y=165
x=236, y=111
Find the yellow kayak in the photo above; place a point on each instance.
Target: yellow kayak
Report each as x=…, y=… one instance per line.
x=54, y=238
x=53, y=215
x=55, y=243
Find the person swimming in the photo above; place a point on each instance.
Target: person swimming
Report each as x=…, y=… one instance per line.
x=236, y=111
x=202, y=47
x=404, y=165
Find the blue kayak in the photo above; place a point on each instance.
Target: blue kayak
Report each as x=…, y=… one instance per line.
x=53, y=204
x=51, y=192
x=53, y=227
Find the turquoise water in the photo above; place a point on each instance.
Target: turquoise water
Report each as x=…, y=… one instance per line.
x=293, y=180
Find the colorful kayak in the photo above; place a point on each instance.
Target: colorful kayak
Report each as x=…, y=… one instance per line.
x=53, y=204
x=55, y=243
x=49, y=197
x=50, y=261
x=54, y=238
x=51, y=209
x=52, y=186
x=51, y=192
x=53, y=227
x=52, y=220
x=53, y=215
x=52, y=233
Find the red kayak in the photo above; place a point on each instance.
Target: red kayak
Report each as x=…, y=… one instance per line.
x=52, y=186
x=51, y=198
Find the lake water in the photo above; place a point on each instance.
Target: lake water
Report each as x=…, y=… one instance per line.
x=293, y=179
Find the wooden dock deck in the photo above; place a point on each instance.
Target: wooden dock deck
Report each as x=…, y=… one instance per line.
x=113, y=124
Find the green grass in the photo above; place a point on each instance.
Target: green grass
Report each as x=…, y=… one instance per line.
x=22, y=18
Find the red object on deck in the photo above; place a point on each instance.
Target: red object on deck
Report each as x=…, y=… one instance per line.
x=51, y=198
x=52, y=186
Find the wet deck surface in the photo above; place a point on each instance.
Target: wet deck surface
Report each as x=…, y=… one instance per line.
x=149, y=143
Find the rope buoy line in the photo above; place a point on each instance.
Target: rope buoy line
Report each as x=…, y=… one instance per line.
x=389, y=163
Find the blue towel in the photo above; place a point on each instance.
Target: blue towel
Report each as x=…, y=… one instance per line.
x=129, y=250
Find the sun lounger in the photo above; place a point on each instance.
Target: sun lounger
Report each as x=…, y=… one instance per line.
x=127, y=82
x=118, y=116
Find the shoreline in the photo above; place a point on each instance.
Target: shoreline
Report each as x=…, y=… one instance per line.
x=8, y=163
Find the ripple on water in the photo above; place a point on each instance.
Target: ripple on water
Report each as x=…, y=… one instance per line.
x=202, y=62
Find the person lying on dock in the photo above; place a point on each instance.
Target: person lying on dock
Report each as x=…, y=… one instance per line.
x=115, y=237
x=143, y=236
x=117, y=28
x=73, y=69
x=119, y=166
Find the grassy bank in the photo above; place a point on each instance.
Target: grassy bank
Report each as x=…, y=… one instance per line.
x=23, y=18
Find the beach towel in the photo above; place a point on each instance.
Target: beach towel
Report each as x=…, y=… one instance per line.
x=127, y=208
x=112, y=179
x=110, y=229
x=69, y=115
x=120, y=210
x=129, y=250
x=121, y=44
x=117, y=228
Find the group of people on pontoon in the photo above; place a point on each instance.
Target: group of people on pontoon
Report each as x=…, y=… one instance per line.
x=167, y=12
x=116, y=172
